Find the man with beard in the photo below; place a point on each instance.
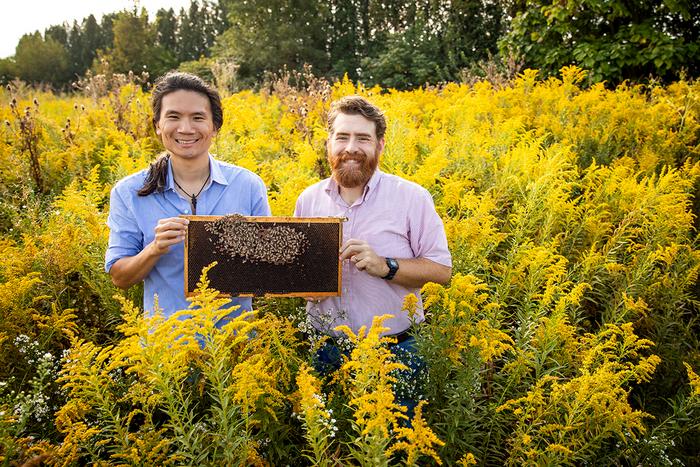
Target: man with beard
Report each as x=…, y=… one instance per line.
x=394, y=241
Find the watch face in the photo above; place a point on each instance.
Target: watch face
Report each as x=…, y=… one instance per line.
x=393, y=267
x=393, y=264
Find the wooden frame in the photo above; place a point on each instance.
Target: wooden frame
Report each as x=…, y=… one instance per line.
x=309, y=258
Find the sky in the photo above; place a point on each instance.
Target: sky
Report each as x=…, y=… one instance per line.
x=20, y=17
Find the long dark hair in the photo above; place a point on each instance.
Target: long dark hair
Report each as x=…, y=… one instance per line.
x=157, y=177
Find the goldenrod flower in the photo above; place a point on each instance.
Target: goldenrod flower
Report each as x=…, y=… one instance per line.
x=419, y=439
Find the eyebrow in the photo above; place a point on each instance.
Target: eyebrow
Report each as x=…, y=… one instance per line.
x=347, y=133
x=177, y=113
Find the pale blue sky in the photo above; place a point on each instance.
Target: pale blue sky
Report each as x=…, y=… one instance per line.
x=25, y=16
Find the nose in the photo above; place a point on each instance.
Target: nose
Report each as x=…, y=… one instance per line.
x=351, y=145
x=185, y=126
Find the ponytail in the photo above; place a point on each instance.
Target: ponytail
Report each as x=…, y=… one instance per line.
x=157, y=177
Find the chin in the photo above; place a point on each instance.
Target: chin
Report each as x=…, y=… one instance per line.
x=189, y=155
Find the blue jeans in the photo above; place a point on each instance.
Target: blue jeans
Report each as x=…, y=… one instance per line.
x=407, y=388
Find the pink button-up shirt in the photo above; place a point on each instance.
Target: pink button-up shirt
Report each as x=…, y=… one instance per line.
x=397, y=218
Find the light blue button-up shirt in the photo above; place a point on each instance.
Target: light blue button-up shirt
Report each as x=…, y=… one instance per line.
x=133, y=218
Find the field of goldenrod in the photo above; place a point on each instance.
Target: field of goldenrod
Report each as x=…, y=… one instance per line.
x=568, y=335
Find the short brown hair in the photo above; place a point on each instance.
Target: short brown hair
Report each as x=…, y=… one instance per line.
x=358, y=105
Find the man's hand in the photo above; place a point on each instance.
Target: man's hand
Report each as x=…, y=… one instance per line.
x=364, y=258
x=412, y=273
x=131, y=270
x=169, y=232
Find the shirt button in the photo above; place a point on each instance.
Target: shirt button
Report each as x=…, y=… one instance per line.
x=187, y=211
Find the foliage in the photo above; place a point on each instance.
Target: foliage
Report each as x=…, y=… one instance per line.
x=393, y=43
x=266, y=36
x=123, y=42
x=615, y=40
x=39, y=59
x=567, y=335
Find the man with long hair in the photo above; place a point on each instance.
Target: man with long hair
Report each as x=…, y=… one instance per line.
x=146, y=230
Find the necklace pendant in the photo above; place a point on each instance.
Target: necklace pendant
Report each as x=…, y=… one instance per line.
x=194, y=206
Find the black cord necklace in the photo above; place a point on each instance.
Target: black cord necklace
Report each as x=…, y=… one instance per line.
x=193, y=198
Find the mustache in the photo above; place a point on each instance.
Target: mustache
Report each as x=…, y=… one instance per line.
x=346, y=156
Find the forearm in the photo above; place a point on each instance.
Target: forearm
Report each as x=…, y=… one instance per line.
x=131, y=270
x=416, y=272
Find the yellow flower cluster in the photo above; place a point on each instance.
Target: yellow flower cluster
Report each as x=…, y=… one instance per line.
x=570, y=216
x=558, y=421
x=419, y=439
x=369, y=373
x=694, y=379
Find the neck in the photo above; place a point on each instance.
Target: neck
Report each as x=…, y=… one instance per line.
x=190, y=170
x=350, y=195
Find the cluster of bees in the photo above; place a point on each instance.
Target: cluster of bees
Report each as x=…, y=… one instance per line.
x=234, y=236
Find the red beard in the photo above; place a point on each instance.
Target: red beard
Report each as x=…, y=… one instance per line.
x=353, y=176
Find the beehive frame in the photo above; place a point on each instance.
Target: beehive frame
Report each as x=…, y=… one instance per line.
x=316, y=272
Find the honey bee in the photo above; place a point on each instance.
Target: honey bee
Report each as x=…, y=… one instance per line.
x=235, y=237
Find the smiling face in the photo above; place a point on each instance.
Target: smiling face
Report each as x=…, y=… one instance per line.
x=185, y=125
x=353, y=150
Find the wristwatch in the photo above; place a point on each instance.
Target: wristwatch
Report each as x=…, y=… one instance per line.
x=393, y=267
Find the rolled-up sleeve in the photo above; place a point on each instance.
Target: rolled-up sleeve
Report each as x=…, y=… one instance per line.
x=125, y=236
x=427, y=232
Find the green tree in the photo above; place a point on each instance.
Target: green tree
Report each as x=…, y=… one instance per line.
x=429, y=40
x=75, y=50
x=165, y=51
x=269, y=35
x=407, y=61
x=132, y=36
x=468, y=34
x=615, y=40
x=107, y=30
x=192, y=32
x=166, y=28
x=8, y=69
x=215, y=24
x=91, y=43
x=57, y=33
x=345, y=50
x=41, y=61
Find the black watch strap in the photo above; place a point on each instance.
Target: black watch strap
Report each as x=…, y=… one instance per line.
x=393, y=267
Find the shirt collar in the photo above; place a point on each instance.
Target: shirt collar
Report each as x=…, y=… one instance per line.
x=373, y=181
x=214, y=167
x=217, y=175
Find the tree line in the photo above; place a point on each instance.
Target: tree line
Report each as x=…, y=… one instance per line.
x=120, y=42
x=395, y=43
